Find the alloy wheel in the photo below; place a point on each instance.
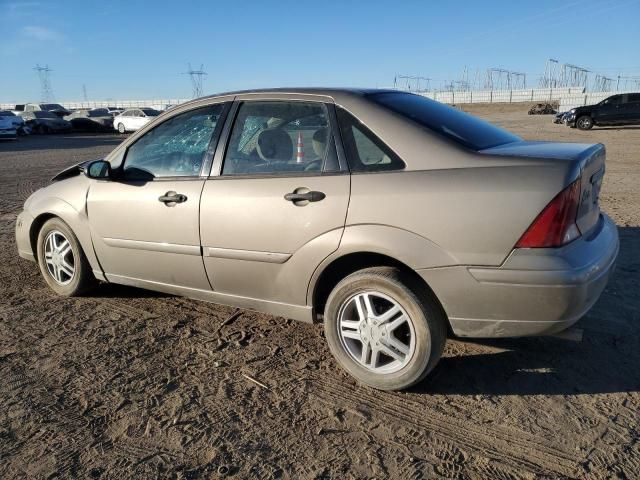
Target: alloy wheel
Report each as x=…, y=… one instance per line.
x=376, y=332
x=59, y=258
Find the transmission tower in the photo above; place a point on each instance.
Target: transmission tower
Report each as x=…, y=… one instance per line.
x=627, y=83
x=412, y=83
x=46, y=93
x=551, y=75
x=196, y=80
x=498, y=79
x=573, y=76
x=602, y=83
x=84, y=92
x=463, y=84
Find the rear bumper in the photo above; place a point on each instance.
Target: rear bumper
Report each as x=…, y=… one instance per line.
x=534, y=292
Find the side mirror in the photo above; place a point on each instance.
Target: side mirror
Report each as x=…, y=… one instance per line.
x=100, y=170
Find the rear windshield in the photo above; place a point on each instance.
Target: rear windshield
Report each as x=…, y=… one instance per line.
x=99, y=112
x=150, y=112
x=454, y=124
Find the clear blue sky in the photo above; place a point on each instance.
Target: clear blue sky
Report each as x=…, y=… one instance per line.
x=134, y=49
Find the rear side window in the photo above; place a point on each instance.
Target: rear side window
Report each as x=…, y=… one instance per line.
x=271, y=137
x=634, y=98
x=462, y=128
x=365, y=151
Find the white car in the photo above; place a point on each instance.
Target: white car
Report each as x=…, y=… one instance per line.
x=134, y=118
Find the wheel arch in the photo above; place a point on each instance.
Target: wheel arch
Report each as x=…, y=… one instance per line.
x=349, y=263
x=76, y=221
x=35, y=228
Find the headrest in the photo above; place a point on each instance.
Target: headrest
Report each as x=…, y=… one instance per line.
x=274, y=144
x=320, y=141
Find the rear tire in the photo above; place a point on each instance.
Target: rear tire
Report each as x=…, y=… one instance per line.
x=121, y=128
x=386, y=353
x=62, y=262
x=585, y=122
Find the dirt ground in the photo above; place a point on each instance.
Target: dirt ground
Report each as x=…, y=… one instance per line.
x=132, y=384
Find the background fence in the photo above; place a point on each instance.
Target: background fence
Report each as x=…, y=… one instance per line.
x=160, y=104
x=567, y=98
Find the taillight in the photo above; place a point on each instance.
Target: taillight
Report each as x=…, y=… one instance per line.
x=556, y=224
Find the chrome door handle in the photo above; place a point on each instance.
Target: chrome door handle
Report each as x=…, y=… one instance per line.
x=172, y=197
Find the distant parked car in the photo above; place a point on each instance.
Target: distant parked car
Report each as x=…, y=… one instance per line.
x=115, y=110
x=91, y=120
x=7, y=129
x=134, y=118
x=55, y=108
x=16, y=120
x=45, y=122
x=561, y=118
x=621, y=109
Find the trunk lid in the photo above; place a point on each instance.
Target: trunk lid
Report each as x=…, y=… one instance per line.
x=586, y=161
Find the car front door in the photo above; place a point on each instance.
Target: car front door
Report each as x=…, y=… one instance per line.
x=144, y=221
x=276, y=203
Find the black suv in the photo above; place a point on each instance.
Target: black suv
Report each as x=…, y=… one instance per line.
x=622, y=109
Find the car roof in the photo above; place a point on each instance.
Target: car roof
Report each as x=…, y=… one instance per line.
x=319, y=91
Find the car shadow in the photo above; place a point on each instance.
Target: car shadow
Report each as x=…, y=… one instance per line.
x=113, y=290
x=606, y=361
x=619, y=127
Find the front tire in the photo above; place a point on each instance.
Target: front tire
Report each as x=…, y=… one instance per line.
x=584, y=122
x=383, y=329
x=121, y=128
x=62, y=262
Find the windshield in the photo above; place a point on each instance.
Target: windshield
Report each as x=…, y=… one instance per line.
x=454, y=124
x=45, y=114
x=150, y=112
x=51, y=106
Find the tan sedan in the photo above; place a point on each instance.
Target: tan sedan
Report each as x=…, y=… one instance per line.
x=394, y=219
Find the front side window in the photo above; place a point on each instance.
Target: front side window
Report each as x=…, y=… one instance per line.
x=280, y=137
x=175, y=148
x=365, y=151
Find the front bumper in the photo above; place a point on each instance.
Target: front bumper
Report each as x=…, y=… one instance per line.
x=534, y=292
x=8, y=134
x=23, y=240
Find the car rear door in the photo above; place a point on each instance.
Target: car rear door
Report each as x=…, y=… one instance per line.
x=276, y=202
x=144, y=222
x=610, y=112
x=632, y=109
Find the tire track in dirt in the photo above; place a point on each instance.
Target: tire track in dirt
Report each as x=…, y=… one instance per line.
x=517, y=449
